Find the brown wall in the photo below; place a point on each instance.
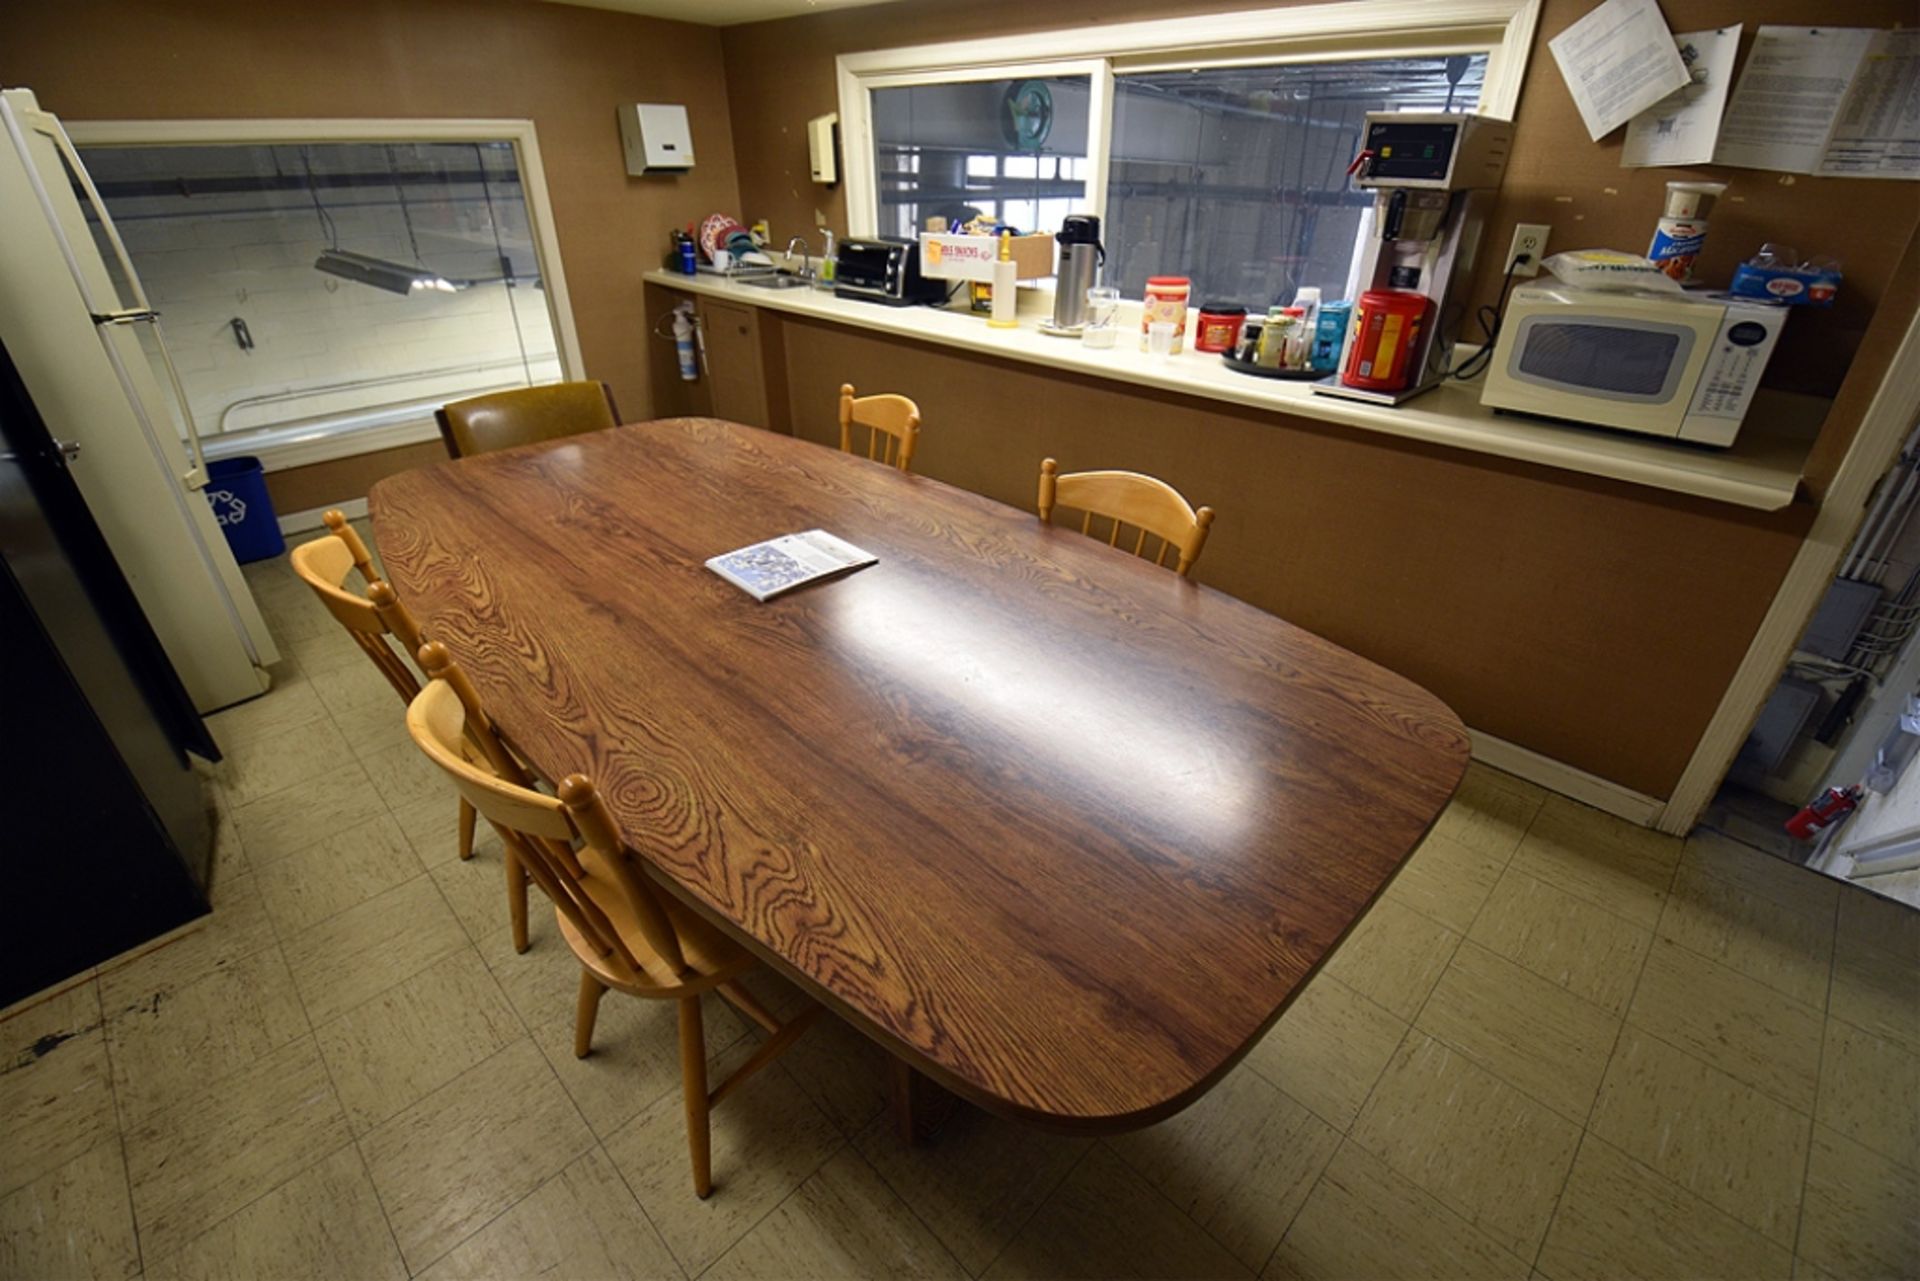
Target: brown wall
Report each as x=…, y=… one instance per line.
x=1592, y=621
x=562, y=67
x=779, y=74
x=1595, y=622
x=299, y=489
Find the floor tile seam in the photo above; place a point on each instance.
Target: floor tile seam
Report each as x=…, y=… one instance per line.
x=1666, y=1181
x=1806, y=1167
x=258, y=1194
x=1039, y=1203
x=854, y=1148
x=1581, y=899
x=119, y=1133
x=593, y=1142
x=653, y=1226
x=429, y=1264
x=1734, y=882
x=410, y=975
x=1201, y=1228
x=1766, y=1092
x=1470, y=1056
x=839, y=1144
x=1721, y=961
x=191, y=929
x=206, y=1082
x=1586, y=1122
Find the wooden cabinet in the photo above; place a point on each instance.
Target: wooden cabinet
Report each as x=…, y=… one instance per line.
x=738, y=364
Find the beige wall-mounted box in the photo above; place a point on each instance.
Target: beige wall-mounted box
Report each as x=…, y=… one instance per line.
x=823, y=162
x=656, y=137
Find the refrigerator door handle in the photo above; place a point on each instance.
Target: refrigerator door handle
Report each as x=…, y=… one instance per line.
x=142, y=310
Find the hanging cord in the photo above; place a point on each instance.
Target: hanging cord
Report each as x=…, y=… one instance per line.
x=326, y=219
x=406, y=215
x=506, y=264
x=1489, y=318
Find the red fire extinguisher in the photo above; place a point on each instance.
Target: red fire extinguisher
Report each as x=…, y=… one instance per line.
x=1835, y=803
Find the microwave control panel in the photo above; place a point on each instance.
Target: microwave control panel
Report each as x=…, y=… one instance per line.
x=1734, y=365
x=1731, y=375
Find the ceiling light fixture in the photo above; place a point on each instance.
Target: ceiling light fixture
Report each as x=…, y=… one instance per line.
x=393, y=277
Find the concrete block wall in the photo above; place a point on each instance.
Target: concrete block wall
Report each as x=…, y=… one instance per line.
x=206, y=259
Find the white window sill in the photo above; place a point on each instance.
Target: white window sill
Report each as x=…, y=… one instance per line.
x=1761, y=470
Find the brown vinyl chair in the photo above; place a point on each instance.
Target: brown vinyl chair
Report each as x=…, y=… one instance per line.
x=376, y=621
x=627, y=933
x=525, y=416
x=1122, y=498
x=892, y=423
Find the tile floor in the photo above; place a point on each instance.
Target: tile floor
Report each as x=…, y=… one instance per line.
x=1560, y=1046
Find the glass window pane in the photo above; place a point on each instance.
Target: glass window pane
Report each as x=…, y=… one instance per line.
x=976, y=147
x=1237, y=176
x=334, y=286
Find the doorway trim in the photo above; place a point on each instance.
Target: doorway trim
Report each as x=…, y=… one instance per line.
x=1889, y=417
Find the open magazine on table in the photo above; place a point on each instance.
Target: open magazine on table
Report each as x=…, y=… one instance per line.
x=764, y=570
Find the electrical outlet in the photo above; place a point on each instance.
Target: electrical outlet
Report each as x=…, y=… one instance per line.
x=1529, y=238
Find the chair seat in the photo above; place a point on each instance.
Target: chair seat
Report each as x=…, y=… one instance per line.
x=711, y=955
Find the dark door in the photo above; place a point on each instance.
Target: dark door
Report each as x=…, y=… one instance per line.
x=108, y=836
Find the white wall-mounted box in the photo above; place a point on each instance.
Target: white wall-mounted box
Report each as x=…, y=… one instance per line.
x=822, y=161
x=656, y=137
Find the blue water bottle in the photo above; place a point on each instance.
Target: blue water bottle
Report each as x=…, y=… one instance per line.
x=685, y=243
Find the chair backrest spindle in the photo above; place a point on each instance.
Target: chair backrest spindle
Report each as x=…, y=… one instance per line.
x=1153, y=507
x=541, y=829
x=892, y=423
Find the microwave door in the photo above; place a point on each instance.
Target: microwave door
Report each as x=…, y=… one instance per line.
x=1586, y=366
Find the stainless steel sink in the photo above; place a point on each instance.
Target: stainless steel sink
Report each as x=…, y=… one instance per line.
x=782, y=281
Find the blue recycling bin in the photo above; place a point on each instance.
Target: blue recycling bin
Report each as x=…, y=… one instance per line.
x=237, y=489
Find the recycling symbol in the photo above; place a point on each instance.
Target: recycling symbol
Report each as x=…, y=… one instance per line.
x=228, y=507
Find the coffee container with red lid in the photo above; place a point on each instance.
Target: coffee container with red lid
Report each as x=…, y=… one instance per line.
x=1387, y=327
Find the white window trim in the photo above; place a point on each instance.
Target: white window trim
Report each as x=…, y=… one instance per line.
x=1355, y=29
x=526, y=149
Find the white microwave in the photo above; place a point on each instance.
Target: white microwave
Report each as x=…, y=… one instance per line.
x=1683, y=366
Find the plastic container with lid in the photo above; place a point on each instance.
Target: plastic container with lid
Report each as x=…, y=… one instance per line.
x=1218, y=328
x=1165, y=302
x=1386, y=332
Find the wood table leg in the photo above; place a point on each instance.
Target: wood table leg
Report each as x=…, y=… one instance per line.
x=920, y=1106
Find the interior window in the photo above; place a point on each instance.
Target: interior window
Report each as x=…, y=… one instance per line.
x=1237, y=176
x=1014, y=150
x=330, y=288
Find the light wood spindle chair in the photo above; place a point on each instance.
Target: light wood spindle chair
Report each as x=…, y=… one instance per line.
x=525, y=415
x=627, y=934
x=375, y=620
x=892, y=423
x=1151, y=506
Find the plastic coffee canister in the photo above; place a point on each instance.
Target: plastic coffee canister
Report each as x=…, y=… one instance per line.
x=1386, y=331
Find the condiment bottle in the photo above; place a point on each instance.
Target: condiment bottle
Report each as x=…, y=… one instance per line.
x=1005, y=285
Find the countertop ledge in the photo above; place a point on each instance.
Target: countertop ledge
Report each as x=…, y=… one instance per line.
x=1761, y=470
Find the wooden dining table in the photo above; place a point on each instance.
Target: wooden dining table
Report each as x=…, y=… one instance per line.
x=1059, y=829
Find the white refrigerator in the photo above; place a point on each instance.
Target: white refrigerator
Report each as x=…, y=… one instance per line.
x=90, y=351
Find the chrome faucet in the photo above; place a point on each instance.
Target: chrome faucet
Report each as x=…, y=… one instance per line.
x=806, y=268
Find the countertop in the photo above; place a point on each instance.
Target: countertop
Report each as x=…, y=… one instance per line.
x=1761, y=470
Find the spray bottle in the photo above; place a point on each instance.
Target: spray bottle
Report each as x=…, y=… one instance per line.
x=683, y=333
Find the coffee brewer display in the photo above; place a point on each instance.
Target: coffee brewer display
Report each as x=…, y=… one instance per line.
x=1433, y=178
x=1081, y=254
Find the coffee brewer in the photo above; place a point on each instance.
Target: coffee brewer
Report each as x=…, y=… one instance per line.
x=1433, y=178
x=1081, y=254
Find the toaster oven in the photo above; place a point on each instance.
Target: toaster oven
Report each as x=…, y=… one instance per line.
x=1683, y=366
x=884, y=270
